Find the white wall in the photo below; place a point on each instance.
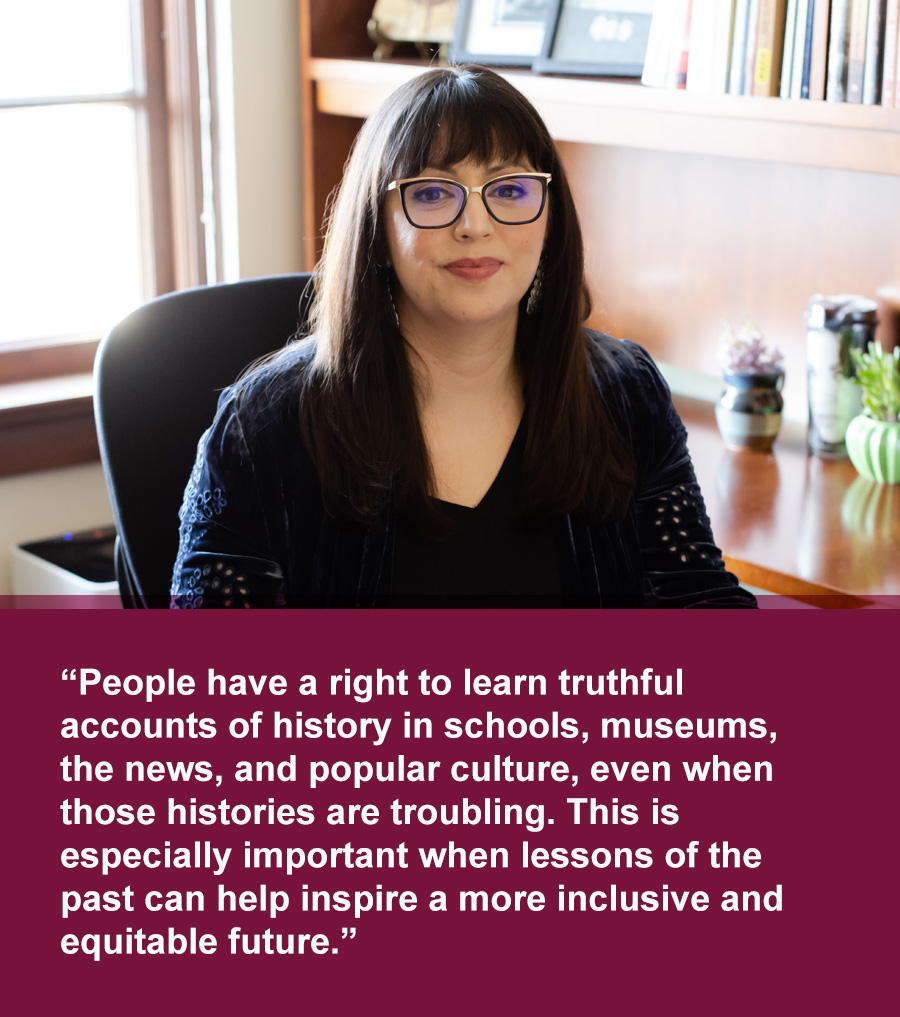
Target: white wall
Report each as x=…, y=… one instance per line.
x=267, y=152
x=267, y=205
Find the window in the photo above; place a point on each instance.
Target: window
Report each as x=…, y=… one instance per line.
x=101, y=198
x=72, y=186
x=76, y=195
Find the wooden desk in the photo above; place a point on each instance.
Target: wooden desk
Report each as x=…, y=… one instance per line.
x=794, y=523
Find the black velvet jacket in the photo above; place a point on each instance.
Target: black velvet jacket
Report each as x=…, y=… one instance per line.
x=255, y=531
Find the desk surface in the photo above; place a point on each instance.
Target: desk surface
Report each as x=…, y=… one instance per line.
x=792, y=522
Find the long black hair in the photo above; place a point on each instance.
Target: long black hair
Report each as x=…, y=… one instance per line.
x=359, y=413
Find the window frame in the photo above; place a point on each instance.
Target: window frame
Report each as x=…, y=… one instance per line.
x=46, y=385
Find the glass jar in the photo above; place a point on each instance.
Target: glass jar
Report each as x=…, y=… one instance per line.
x=835, y=325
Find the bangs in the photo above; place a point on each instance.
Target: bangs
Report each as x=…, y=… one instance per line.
x=462, y=119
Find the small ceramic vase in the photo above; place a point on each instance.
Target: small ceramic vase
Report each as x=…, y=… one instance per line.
x=749, y=410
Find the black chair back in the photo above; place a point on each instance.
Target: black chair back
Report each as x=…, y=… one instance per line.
x=157, y=378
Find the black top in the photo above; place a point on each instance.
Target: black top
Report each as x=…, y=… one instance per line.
x=487, y=556
x=255, y=531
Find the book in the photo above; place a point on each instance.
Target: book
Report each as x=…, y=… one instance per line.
x=800, y=65
x=818, y=66
x=701, y=55
x=738, y=47
x=676, y=73
x=659, y=42
x=856, y=49
x=806, y=66
x=838, y=41
x=874, y=69
x=769, y=45
x=891, y=47
x=787, y=63
x=722, y=45
x=750, y=55
x=710, y=47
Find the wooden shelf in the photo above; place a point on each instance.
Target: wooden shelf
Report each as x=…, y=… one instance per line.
x=600, y=112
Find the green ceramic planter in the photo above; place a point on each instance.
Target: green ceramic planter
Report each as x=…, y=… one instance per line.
x=874, y=448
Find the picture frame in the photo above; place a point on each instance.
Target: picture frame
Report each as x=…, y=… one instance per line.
x=501, y=33
x=592, y=37
x=421, y=22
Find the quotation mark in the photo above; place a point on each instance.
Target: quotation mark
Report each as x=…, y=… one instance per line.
x=345, y=934
x=69, y=674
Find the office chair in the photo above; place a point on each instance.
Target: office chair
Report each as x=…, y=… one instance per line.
x=157, y=378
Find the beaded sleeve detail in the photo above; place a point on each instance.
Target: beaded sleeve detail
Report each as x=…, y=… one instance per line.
x=224, y=558
x=682, y=566
x=681, y=507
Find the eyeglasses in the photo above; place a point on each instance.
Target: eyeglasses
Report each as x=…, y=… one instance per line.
x=431, y=203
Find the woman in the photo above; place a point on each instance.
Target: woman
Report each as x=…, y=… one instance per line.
x=450, y=433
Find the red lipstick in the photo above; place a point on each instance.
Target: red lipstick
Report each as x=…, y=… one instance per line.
x=474, y=269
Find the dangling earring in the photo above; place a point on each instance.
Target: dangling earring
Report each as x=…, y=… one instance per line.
x=390, y=295
x=386, y=271
x=537, y=288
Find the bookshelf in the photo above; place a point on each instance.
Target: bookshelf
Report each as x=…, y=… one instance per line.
x=601, y=112
x=694, y=208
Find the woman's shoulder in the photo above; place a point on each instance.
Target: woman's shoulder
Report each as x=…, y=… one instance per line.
x=259, y=414
x=624, y=371
x=269, y=391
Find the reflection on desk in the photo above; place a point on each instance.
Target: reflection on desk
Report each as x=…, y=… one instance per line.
x=794, y=523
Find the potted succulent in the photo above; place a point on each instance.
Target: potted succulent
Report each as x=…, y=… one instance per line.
x=749, y=410
x=873, y=438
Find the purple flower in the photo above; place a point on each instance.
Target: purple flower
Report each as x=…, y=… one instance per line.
x=748, y=353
